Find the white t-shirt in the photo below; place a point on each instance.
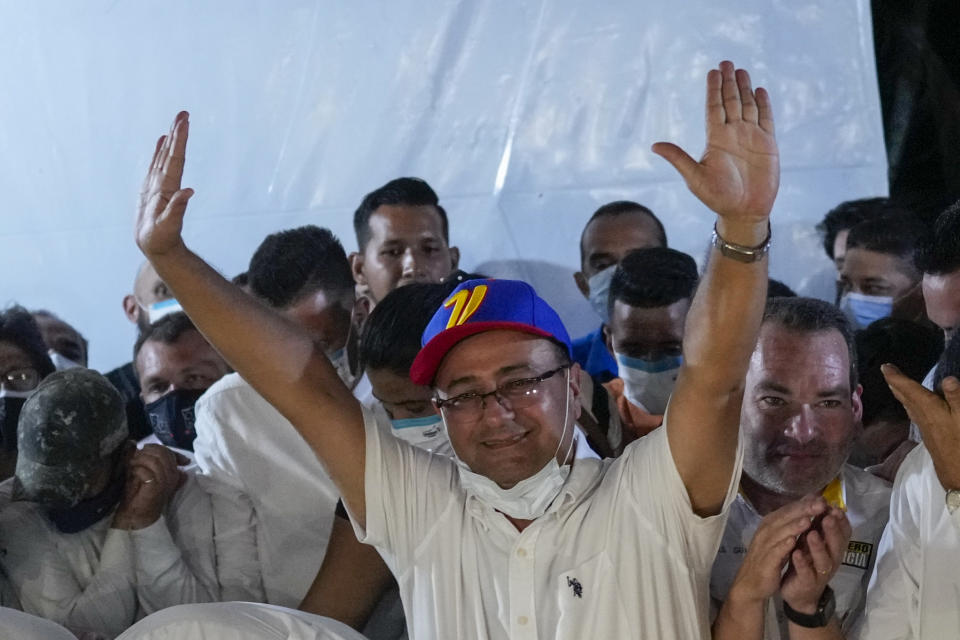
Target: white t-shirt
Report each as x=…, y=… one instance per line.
x=915, y=589
x=238, y=621
x=867, y=499
x=618, y=554
x=273, y=501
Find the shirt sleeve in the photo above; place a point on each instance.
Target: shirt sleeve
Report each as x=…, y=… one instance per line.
x=234, y=517
x=656, y=488
x=47, y=585
x=894, y=591
x=407, y=489
x=165, y=577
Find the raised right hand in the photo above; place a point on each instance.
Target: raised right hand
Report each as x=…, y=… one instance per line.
x=162, y=201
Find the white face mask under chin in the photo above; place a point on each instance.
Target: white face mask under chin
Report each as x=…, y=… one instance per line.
x=531, y=497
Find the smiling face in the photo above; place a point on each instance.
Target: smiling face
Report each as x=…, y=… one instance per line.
x=507, y=444
x=799, y=414
x=406, y=245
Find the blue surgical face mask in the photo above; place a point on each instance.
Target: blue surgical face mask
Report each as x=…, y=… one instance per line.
x=649, y=383
x=862, y=310
x=599, y=284
x=425, y=432
x=163, y=308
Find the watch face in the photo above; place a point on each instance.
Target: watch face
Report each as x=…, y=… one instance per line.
x=953, y=500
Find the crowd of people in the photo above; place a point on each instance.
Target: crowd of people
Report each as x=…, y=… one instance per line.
x=379, y=444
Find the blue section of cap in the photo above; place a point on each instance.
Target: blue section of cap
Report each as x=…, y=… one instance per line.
x=504, y=301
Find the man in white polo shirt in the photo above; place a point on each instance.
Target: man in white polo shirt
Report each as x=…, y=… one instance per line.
x=801, y=413
x=512, y=539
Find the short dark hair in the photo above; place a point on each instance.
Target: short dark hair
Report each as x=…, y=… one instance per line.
x=809, y=315
x=912, y=347
x=242, y=279
x=618, y=208
x=777, y=289
x=166, y=330
x=949, y=363
x=291, y=264
x=897, y=235
x=411, y=192
x=849, y=214
x=391, y=335
x=654, y=277
x=939, y=253
x=18, y=327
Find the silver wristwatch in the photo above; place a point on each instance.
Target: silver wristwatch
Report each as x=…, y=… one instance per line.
x=739, y=252
x=953, y=500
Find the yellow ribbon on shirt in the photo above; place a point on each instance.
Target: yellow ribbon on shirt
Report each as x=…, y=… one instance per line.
x=833, y=494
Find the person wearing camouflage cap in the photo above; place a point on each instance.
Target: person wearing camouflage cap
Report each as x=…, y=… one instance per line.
x=98, y=533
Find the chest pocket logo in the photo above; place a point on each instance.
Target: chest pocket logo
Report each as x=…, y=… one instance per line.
x=858, y=554
x=574, y=584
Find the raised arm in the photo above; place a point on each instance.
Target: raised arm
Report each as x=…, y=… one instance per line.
x=270, y=352
x=737, y=177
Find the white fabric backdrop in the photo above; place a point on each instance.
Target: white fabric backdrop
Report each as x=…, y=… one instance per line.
x=524, y=115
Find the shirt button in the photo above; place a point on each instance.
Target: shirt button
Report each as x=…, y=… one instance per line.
x=522, y=620
x=521, y=553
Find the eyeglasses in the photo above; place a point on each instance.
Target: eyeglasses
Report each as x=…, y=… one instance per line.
x=20, y=379
x=467, y=408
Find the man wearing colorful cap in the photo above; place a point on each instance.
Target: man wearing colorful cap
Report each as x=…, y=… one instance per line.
x=512, y=539
x=98, y=536
x=801, y=413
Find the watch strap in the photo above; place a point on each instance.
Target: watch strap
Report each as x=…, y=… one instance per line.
x=825, y=609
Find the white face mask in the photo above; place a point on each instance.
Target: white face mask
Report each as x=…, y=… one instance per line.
x=648, y=383
x=426, y=432
x=531, y=497
x=599, y=284
x=62, y=362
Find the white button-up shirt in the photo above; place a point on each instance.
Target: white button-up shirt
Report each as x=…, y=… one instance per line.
x=867, y=500
x=619, y=553
x=103, y=579
x=915, y=589
x=273, y=502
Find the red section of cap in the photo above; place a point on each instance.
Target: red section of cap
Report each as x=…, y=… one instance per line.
x=428, y=360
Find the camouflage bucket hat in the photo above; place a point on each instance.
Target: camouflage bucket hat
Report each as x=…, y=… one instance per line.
x=72, y=422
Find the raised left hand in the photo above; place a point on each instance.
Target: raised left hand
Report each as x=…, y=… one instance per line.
x=739, y=173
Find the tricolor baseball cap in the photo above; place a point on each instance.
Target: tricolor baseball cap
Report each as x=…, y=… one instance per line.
x=476, y=306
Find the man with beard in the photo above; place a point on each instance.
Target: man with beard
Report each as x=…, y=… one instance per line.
x=801, y=413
